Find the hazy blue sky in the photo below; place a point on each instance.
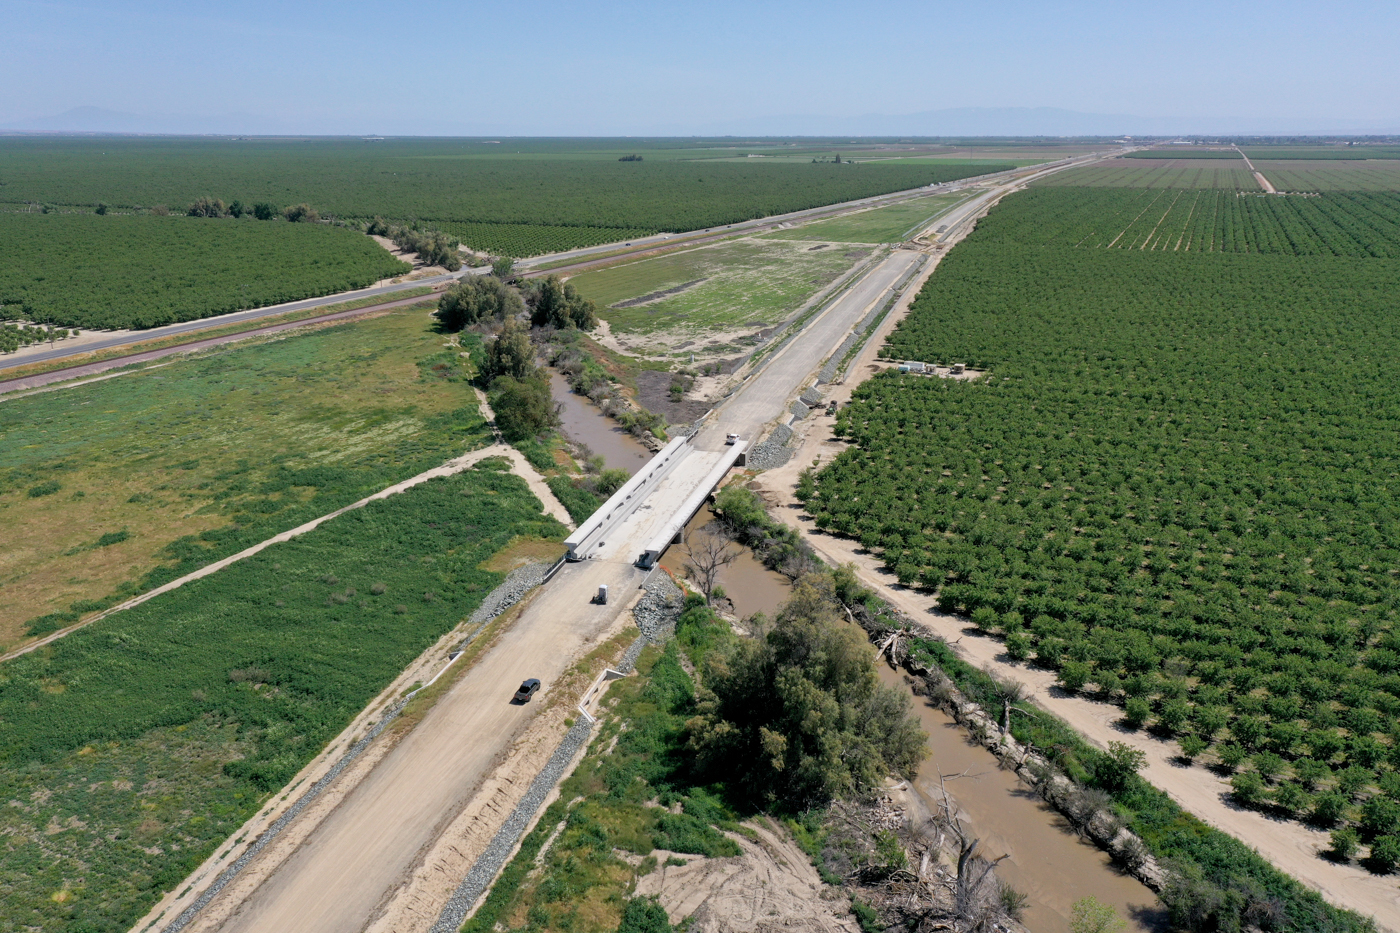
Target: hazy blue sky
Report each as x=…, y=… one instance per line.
x=538, y=66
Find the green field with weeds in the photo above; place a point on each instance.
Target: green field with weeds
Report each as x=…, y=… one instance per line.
x=1331, y=175
x=711, y=296
x=892, y=224
x=135, y=746
x=116, y=486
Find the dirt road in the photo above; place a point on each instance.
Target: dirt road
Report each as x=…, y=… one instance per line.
x=1258, y=175
x=362, y=851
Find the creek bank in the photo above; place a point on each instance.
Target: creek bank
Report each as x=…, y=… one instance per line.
x=585, y=424
x=1048, y=859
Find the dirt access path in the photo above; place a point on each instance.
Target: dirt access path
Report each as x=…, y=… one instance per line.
x=1258, y=175
x=1291, y=846
x=519, y=466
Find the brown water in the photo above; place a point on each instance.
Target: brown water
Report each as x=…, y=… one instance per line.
x=1048, y=862
x=583, y=423
x=751, y=586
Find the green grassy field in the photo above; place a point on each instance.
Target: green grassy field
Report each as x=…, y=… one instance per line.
x=82, y=270
x=131, y=749
x=727, y=290
x=891, y=224
x=1332, y=175
x=521, y=241
x=1157, y=173
x=145, y=476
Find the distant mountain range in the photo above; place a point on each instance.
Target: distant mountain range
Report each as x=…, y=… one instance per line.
x=958, y=121
x=1042, y=121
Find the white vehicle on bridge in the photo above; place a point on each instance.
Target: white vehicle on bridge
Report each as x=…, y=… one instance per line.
x=731, y=439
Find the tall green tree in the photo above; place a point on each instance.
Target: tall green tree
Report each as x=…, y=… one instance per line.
x=510, y=354
x=477, y=298
x=799, y=716
x=559, y=305
x=524, y=408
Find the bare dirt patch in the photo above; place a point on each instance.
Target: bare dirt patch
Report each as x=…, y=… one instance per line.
x=654, y=394
x=771, y=886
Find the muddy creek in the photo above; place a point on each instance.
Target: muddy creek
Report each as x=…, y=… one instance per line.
x=751, y=586
x=583, y=423
x=1048, y=862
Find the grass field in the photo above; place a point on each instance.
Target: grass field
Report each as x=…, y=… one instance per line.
x=727, y=291
x=1157, y=173
x=522, y=241
x=1332, y=175
x=82, y=270
x=120, y=484
x=892, y=224
x=131, y=749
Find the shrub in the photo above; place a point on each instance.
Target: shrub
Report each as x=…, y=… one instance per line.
x=1328, y=809
x=1247, y=788
x=1018, y=646
x=1385, y=853
x=1232, y=756
x=1114, y=769
x=1136, y=710
x=1344, y=843
x=1380, y=816
x=644, y=915
x=1073, y=675
x=1192, y=746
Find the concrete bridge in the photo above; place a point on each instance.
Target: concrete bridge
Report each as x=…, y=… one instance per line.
x=648, y=514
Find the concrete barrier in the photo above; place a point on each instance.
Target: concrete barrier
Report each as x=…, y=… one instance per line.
x=624, y=502
x=671, y=532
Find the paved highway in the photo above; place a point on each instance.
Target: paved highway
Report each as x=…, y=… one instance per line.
x=59, y=351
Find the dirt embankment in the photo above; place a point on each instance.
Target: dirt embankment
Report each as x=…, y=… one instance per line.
x=770, y=886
